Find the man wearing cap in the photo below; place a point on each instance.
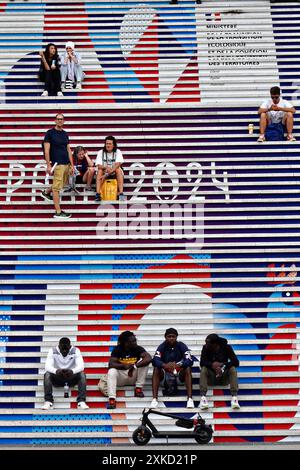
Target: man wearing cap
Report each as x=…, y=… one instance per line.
x=172, y=359
x=71, y=68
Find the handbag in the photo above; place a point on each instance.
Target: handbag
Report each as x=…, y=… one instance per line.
x=109, y=190
x=102, y=385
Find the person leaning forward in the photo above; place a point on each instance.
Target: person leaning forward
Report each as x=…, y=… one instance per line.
x=218, y=364
x=57, y=153
x=64, y=366
x=172, y=359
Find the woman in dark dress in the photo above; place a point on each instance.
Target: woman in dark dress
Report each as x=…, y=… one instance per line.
x=50, y=71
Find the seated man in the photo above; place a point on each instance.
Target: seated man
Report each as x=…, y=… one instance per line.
x=276, y=110
x=172, y=359
x=64, y=366
x=71, y=69
x=128, y=365
x=109, y=162
x=84, y=167
x=218, y=364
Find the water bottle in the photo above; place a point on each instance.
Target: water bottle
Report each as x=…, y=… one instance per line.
x=250, y=128
x=66, y=390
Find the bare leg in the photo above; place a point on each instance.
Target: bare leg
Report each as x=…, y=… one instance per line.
x=263, y=123
x=99, y=181
x=120, y=179
x=289, y=122
x=88, y=176
x=56, y=201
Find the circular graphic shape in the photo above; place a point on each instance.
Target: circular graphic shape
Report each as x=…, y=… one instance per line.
x=130, y=34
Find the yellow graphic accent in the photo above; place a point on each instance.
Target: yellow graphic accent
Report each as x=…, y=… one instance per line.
x=128, y=360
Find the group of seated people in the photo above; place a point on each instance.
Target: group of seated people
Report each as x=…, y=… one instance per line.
x=60, y=71
x=276, y=117
x=77, y=167
x=108, y=164
x=129, y=363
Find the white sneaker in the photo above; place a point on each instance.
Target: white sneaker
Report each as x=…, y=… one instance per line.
x=154, y=403
x=45, y=93
x=190, y=403
x=82, y=405
x=47, y=405
x=78, y=86
x=235, y=404
x=60, y=93
x=203, y=403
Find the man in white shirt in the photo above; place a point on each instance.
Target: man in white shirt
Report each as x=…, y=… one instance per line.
x=109, y=162
x=64, y=367
x=276, y=110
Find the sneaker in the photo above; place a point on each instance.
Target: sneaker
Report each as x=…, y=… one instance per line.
x=111, y=405
x=261, y=138
x=47, y=405
x=67, y=188
x=62, y=215
x=78, y=86
x=154, y=403
x=98, y=197
x=235, y=404
x=89, y=189
x=45, y=93
x=138, y=392
x=190, y=403
x=82, y=405
x=203, y=403
x=60, y=93
x=291, y=138
x=46, y=196
x=121, y=197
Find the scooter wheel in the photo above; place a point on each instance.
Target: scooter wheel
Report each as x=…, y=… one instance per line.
x=141, y=436
x=203, y=434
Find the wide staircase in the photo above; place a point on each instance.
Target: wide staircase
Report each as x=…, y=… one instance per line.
x=207, y=239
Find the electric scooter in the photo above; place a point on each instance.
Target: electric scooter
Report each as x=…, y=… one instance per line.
x=201, y=432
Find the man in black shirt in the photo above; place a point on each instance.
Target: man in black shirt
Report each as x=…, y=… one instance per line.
x=59, y=160
x=218, y=364
x=128, y=365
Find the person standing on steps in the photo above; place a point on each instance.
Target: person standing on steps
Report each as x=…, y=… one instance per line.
x=57, y=151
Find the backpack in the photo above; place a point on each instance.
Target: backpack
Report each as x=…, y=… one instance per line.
x=275, y=131
x=170, y=385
